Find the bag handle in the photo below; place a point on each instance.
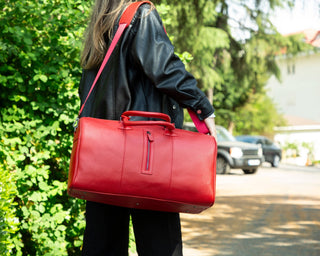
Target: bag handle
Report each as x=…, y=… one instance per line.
x=169, y=126
x=125, y=117
x=124, y=22
x=127, y=114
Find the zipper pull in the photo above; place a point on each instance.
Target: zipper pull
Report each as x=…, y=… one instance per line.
x=150, y=137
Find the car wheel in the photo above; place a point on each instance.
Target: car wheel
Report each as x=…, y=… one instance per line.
x=223, y=166
x=251, y=171
x=275, y=161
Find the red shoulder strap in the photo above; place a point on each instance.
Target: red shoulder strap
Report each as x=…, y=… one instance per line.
x=130, y=11
x=124, y=22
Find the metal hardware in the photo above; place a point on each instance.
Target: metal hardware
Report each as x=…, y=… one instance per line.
x=75, y=124
x=150, y=139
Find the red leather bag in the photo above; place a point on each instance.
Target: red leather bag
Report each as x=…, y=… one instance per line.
x=141, y=164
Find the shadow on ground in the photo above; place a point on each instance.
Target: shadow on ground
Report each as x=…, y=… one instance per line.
x=255, y=225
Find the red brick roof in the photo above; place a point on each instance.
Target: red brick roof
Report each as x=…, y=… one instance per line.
x=295, y=120
x=312, y=36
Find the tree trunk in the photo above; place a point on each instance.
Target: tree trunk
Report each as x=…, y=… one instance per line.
x=210, y=95
x=231, y=127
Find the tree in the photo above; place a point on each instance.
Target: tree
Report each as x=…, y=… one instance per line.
x=234, y=47
x=262, y=110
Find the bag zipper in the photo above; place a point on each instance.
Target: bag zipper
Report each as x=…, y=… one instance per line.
x=149, y=140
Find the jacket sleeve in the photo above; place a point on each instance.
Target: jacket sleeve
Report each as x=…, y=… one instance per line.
x=154, y=53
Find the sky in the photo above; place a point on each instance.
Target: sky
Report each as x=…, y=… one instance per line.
x=305, y=15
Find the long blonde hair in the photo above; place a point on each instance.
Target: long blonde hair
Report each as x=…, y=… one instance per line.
x=103, y=18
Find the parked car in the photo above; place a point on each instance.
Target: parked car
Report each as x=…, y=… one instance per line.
x=236, y=154
x=233, y=153
x=272, y=153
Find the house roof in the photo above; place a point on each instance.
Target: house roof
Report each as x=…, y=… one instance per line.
x=311, y=36
x=297, y=121
x=298, y=124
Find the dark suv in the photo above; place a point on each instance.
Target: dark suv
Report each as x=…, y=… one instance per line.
x=236, y=154
x=233, y=153
x=272, y=153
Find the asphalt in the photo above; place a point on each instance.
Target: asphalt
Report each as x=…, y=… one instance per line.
x=274, y=212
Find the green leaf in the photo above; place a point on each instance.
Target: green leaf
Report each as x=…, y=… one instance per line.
x=35, y=197
x=44, y=186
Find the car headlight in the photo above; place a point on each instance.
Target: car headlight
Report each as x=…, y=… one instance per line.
x=236, y=152
x=260, y=152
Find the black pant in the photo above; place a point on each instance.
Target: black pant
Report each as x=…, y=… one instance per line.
x=107, y=231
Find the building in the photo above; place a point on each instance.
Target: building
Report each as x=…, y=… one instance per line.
x=297, y=96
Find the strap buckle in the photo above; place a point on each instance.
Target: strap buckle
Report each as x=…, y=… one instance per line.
x=75, y=124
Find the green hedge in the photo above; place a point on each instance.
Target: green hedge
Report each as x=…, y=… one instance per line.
x=39, y=75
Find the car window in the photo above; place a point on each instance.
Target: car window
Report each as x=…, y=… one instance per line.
x=249, y=139
x=224, y=135
x=269, y=142
x=260, y=142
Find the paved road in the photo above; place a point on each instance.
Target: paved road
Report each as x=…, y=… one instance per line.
x=273, y=212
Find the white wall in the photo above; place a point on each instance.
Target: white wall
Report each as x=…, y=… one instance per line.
x=299, y=92
x=298, y=135
x=298, y=95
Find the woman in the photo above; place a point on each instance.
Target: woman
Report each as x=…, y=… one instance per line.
x=142, y=74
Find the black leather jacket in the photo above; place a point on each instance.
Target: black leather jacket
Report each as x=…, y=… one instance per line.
x=143, y=73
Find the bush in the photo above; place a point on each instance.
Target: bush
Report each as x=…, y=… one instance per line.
x=9, y=224
x=39, y=73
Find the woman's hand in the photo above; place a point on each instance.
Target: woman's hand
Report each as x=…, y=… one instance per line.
x=209, y=121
